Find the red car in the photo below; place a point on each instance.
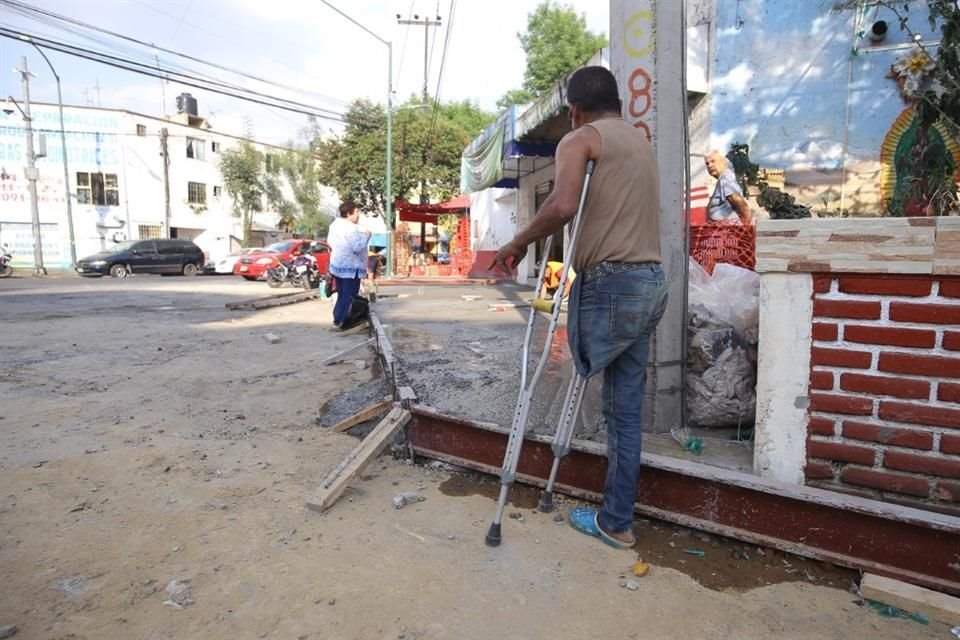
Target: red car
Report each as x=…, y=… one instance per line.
x=254, y=265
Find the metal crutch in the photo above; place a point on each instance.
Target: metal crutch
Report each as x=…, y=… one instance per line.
x=518, y=429
x=563, y=435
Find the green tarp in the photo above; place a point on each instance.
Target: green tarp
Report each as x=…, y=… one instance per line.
x=481, y=165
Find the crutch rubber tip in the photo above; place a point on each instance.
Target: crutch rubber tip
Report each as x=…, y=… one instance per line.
x=493, y=535
x=546, y=502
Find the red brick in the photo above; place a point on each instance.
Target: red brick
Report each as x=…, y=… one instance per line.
x=821, y=380
x=886, y=481
x=887, y=285
x=929, y=465
x=880, y=386
x=946, y=491
x=821, y=284
x=921, y=365
x=913, y=439
x=951, y=340
x=930, y=313
x=825, y=331
x=831, y=403
x=841, y=452
x=841, y=358
x=894, y=336
x=818, y=471
x=846, y=309
x=950, y=288
x=919, y=414
x=821, y=426
x=950, y=443
x=948, y=392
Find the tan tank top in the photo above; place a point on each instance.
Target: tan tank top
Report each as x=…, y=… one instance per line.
x=622, y=212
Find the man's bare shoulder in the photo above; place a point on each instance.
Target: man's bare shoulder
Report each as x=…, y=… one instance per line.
x=583, y=139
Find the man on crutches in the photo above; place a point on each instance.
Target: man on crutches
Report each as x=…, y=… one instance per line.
x=620, y=293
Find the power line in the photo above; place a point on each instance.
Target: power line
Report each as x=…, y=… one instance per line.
x=232, y=91
x=443, y=62
x=32, y=12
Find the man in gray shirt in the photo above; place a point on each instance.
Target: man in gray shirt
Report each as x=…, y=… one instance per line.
x=727, y=203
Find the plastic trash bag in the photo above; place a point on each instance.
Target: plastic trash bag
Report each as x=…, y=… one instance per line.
x=722, y=333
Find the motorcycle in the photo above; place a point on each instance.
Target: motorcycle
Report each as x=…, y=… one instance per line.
x=5, y=259
x=302, y=272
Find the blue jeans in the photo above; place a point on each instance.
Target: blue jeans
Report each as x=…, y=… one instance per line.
x=346, y=289
x=610, y=323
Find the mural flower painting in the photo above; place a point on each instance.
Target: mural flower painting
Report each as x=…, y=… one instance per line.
x=910, y=72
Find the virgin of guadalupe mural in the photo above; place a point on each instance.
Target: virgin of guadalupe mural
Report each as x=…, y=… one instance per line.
x=919, y=165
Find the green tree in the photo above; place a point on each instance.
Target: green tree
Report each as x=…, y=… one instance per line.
x=301, y=170
x=241, y=168
x=427, y=143
x=556, y=42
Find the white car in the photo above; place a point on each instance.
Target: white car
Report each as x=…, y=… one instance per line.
x=225, y=264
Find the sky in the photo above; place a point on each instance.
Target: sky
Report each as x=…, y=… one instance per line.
x=303, y=45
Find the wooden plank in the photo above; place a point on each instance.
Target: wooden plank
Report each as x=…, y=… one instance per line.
x=371, y=411
x=273, y=301
x=911, y=598
x=338, y=480
x=338, y=357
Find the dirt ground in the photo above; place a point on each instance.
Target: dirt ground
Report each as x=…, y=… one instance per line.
x=150, y=435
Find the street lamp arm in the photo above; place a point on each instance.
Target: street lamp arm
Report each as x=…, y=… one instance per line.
x=45, y=58
x=355, y=22
x=11, y=100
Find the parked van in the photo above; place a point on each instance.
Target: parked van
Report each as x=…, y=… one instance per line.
x=144, y=256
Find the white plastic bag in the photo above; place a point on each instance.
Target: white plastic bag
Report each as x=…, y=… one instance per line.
x=722, y=331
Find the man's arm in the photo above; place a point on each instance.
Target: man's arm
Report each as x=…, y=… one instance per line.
x=740, y=205
x=560, y=207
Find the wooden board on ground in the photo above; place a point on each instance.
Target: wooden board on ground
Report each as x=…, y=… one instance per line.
x=274, y=301
x=338, y=480
x=372, y=411
x=935, y=605
x=338, y=357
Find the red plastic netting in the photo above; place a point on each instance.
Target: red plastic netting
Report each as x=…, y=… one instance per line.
x=712, y=243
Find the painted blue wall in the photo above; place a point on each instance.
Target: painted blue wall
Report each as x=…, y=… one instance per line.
x=793, y=80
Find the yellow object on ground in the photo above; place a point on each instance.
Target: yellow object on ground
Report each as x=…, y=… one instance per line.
x=641, y=569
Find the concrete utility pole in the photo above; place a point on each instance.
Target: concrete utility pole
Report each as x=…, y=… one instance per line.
x=165, y=154
x=31, y=171
x=647, y=57
x=426, y=23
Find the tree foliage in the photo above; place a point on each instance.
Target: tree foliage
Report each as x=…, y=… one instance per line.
x=242, y=169
x=427, y=143
x=556, y=42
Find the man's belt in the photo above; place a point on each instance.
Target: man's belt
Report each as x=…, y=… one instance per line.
x=607, y=268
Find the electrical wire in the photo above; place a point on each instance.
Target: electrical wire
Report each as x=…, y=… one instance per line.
x=443, y=60
x=232, y=91
x=403, y=51
x=33, y=13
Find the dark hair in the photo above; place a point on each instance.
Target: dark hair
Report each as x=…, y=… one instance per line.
x=593, y=89
x=347, y=207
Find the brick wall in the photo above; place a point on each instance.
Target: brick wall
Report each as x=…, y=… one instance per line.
x=884, y=417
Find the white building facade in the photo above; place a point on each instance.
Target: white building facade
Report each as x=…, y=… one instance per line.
x=117, y=183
